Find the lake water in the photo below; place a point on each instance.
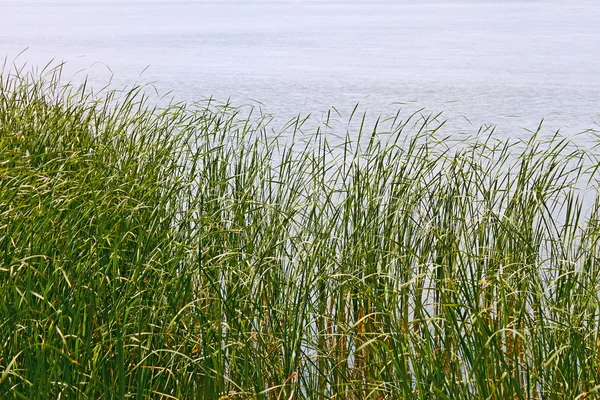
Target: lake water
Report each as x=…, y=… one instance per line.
x=509, y=63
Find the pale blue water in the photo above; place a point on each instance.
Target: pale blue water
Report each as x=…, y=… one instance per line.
x=507, y=62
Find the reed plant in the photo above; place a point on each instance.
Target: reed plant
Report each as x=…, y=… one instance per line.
x=186, y=251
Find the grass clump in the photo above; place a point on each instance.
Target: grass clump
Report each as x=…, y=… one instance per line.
x=184, y=252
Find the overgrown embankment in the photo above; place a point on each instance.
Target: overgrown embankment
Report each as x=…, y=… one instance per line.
x=182, y=252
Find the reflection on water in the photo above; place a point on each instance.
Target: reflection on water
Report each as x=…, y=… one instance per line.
x=509, y=63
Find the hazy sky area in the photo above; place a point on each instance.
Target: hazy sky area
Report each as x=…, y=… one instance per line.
x=509, y=63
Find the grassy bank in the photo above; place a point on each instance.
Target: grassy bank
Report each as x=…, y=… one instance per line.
x=184, y=252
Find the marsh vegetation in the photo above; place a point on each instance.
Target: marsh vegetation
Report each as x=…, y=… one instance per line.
x=185, y=251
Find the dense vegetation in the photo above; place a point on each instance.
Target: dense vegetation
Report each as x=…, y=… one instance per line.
x=187, y=252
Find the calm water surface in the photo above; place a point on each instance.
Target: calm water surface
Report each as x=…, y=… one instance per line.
x=509, y=63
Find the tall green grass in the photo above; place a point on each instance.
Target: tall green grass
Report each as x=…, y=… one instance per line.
x=187, y=252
